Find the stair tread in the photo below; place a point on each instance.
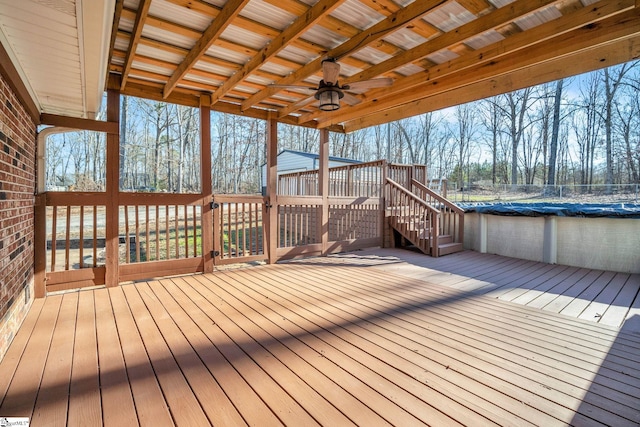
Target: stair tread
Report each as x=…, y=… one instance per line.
x=448, y=245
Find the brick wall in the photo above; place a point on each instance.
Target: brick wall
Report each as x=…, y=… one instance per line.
x=17, y=186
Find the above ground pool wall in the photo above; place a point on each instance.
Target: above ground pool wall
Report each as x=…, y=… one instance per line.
x=598, y=243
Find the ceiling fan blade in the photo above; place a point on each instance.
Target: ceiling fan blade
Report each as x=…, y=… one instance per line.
x=368, y=84
x=351, y=100
x=330, y=71
x=304, y=102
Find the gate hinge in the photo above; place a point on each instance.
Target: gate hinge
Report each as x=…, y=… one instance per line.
x=214, y=205
x=215, y=254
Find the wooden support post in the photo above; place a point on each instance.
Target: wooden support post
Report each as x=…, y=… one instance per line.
x=205, y=176
x=385, y=230
x=112, y=189
x=271, y=196
x=40, y=245
x=323, y=172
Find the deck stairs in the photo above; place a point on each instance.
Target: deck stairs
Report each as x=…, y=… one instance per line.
x=426, y=220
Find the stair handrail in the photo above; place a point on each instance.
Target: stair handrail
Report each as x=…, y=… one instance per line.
x=433, y=195
x=434, y=226
x=429, y=196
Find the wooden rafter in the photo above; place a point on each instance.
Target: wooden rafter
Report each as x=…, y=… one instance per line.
x=319, y=10
x=114, y=31
x=230, y=10
x=434, y=50
x=569, y=32
x=589, y=60
x=138, y=25
x=493, y=20
x=373, y=33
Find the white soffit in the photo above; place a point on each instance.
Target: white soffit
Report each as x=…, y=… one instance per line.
x=38, y=33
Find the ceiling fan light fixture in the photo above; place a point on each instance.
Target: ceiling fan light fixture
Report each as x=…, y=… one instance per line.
x=329, y=97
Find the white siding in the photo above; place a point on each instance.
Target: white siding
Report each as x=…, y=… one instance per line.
x=289, y=161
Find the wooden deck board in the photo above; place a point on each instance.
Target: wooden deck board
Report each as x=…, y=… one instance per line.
x=285, y=408
x=617, y=311
x=150, y=404
x=183, y=405
x=534, y=284
x=211, y=397
x=198, y=328
x=470, y=326
x=117, y=400
x=21, y=395
x=369, y=339
x=85, y=408
x=53, y=397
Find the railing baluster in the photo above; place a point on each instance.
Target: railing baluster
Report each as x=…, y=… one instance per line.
x=54, y=232
x=195, y=230
x=186, y=232
x=81, y=239
x=157, y=239
x=176, y=235
x=166, y=231
x=137, y=235
x=146, y=232
x=67, y=239
x=127, y=247
x=95, y=236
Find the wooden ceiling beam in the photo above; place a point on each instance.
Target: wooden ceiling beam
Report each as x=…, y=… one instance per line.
x=588, y=60
x=570, y=32
x=179, y=51
x=230, y=10
x=495, y=19
x=138, y=25
x=114, y=33
x=213, y=11
x=300, y=25
x=376, y=32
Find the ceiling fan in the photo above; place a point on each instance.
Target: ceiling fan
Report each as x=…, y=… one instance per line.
x=329, y=92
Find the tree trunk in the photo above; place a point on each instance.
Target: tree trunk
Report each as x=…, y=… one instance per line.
x=555, y=131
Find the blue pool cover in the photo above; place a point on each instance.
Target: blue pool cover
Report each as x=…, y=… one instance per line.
x=619, y=210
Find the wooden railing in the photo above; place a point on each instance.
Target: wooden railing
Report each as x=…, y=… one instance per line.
x=238, y=228
x=414, y=218
x=404, y=174
x=353, y=223
x=158, y=234
x=304, y=183
x=355, y=180
x=355, y=219
x=74, y=240
x=299, y=226
x=452, y=216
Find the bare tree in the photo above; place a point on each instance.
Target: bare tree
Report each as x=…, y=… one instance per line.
x=514, y=107
x=555, y=133
x=463, y=133
x=612, y=78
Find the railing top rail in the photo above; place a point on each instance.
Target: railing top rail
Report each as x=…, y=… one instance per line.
x=359, y=165
x=412, y=196
x=335, y=168
x=299, y=173
x=238, y=198
x=438, y=197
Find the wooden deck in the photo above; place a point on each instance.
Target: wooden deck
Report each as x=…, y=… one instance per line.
x=604, y=297
x=332, y=341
